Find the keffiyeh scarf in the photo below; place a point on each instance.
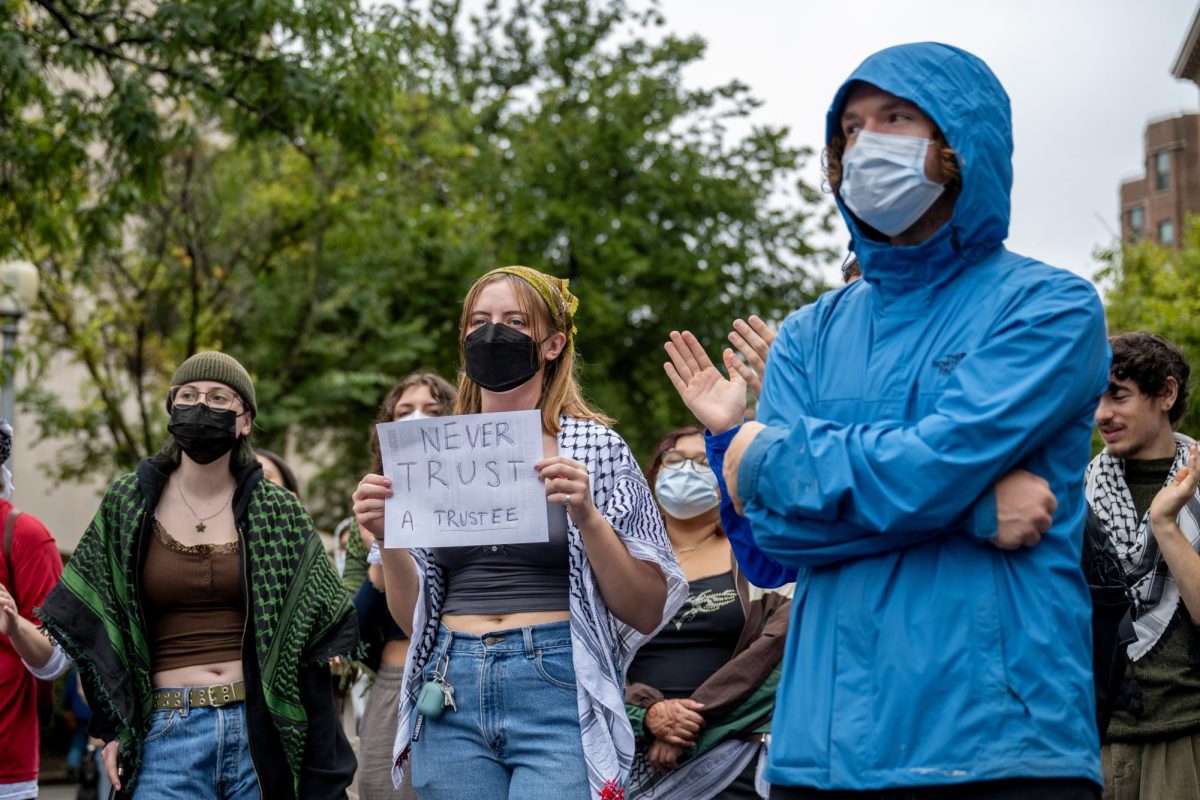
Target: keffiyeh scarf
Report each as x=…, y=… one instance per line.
x=1156, y=595
x=603, y=646
x=298, y=611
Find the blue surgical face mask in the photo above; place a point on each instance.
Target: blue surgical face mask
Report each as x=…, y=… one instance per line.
x=884, y=183
x=687, y=492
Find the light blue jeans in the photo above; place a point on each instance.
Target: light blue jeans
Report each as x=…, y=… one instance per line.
x=197, y=754
x=516, y=731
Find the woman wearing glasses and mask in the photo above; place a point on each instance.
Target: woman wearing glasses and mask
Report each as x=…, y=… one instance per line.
x=202, y=611
x=700, y=694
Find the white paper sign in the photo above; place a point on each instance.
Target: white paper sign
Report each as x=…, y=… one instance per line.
x=467, y=480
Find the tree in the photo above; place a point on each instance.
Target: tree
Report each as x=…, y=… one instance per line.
x=106, y=111
x=560, y=135
x=1157, y=289
x=616, y=175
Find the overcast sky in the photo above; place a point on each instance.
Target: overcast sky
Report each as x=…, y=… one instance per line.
x=1084, y=77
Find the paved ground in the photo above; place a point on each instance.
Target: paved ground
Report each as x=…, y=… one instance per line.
x=62, y=791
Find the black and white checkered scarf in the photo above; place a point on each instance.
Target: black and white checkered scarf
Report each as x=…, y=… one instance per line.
x=1155, y=594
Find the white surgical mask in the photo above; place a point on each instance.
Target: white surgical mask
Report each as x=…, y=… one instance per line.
x=416, y=414
x=339, y=561
x=687, y=492
x=884, y=183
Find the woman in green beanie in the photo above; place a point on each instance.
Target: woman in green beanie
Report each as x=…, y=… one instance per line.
x=202, y=613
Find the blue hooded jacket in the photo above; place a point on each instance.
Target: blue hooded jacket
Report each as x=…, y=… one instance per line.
x=918, y=653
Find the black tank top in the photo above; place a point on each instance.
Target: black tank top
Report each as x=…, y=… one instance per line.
x=697, y=642
x=504, y=579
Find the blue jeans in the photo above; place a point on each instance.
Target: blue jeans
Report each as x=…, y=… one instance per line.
x=516, y=731
x=196, y=754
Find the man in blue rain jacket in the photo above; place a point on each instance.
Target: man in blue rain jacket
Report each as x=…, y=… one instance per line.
x=922, y=655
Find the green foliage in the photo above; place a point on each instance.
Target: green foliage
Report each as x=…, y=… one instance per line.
x=313, y=188
x=1157, y=289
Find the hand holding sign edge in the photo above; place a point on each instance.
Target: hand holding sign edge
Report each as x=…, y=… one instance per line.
x=369, y=499
x=567, y=482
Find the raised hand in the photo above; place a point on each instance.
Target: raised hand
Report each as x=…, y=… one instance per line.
x=10, y=618
x=752, y=338
x=1181, y=557
x=1171, y=499
x=718, y=403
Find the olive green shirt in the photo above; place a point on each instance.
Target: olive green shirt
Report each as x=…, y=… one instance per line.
x=1168, y=675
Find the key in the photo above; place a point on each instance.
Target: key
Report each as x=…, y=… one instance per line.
x=448, y=695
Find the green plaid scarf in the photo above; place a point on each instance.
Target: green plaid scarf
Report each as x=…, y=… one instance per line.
x=298, y=609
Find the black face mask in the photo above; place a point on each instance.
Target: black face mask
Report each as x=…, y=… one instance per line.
x=500, y=358
x=203, y=433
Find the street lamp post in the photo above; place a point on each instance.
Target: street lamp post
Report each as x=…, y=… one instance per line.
x=18, y=291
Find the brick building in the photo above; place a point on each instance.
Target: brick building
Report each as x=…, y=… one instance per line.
x=1154, y=206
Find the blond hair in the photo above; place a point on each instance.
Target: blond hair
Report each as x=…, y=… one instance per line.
x=561, y=395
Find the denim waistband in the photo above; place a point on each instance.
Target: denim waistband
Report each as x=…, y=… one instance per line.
x=525, y=640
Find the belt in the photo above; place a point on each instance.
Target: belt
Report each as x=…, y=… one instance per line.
x=222, y=694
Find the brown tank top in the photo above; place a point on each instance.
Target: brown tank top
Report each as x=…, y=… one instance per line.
x=192, y=599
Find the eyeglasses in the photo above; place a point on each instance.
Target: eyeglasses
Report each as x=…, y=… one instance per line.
x=217, y=399
x=673, y=459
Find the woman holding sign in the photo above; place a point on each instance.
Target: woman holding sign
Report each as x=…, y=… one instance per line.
x=513, y=686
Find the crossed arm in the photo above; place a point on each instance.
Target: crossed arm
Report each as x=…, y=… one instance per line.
x=1019, y=507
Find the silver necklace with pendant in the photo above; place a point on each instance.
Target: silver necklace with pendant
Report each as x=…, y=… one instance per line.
x=200, y=526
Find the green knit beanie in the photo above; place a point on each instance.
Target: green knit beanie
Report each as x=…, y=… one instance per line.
x=214, y=366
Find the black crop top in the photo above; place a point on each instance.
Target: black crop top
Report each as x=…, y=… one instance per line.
x=504, y=579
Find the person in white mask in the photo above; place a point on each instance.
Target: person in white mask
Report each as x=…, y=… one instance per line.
x=690, y=690
x=897, y=174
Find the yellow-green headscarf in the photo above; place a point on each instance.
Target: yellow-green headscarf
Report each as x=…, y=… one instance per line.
x=554, y=291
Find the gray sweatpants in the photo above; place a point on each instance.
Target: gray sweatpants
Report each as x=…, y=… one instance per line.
x=376, y=735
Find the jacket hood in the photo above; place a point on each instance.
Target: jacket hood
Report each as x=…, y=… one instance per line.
x=966, y=101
